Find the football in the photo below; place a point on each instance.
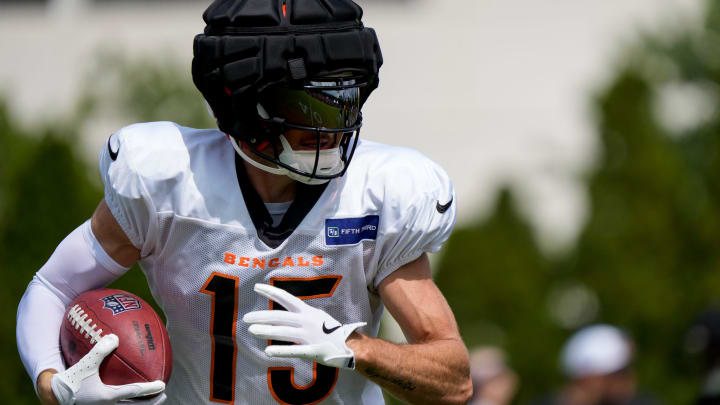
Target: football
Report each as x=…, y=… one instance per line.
x=144, y=352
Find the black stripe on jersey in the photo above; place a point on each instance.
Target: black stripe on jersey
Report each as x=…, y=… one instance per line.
x=283, y=389
x=281, y=380
x=305, y=198
x=308, y=288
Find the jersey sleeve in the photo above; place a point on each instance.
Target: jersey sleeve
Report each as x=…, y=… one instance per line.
x=126, y=193
x=419, y=213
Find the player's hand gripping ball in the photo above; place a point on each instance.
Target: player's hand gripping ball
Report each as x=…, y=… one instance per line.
x=143, y=353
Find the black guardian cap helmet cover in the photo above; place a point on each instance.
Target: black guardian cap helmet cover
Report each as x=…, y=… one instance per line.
x=267, y=66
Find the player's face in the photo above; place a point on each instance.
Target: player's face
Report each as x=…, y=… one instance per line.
x=300, y=140
x=309, y=147
x=308, y=140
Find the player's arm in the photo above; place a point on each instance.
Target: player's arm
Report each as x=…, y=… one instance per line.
x=433, y=368
x=117, y=245
x=92, y=256
x=112, y=238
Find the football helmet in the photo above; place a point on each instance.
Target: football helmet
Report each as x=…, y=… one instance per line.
x=271, y=70
x=324, y=112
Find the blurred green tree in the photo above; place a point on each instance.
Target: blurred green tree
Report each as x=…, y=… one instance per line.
x=496, y=279
x=144, y=90
x=649, y=251
x=45, y=193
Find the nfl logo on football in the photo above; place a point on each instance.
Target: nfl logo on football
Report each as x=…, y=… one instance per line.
x=119, y=303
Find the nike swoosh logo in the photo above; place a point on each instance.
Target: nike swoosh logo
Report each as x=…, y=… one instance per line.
x=331, y=330
x=113, y=155
x=441, y=208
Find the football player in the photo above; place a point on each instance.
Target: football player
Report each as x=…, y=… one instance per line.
x=271, y=255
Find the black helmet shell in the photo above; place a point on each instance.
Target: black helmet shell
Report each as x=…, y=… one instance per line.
x=249, y=45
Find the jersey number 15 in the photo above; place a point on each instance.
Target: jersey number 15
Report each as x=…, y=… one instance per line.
x=223, y=289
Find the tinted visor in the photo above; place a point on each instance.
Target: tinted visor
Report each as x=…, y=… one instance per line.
x=322, y=103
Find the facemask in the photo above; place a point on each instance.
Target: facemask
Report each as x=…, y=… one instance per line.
x=329, y=162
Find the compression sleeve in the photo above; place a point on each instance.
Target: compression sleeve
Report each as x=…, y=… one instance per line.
x=78, y=264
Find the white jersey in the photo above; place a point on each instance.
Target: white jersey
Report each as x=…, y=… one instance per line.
x=176, y=194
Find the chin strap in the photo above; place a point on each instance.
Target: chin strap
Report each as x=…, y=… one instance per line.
x=278, y=170
x=274, y=170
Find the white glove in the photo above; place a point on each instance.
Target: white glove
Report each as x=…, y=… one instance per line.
x=81, y=384
x=319, y=336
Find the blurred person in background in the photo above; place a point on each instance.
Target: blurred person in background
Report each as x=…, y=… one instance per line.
x=494, y=382
x=598, y=361
x=703, y=339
